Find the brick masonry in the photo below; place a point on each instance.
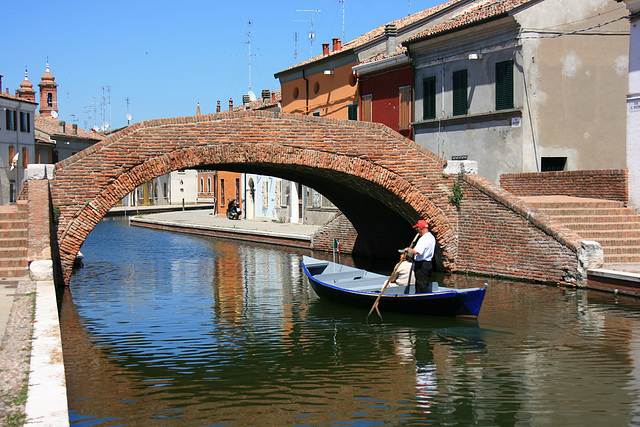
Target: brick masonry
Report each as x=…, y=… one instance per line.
x=381, y=181
x=610, y=184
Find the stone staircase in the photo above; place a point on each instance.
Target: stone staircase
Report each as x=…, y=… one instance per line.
x=13, y=241
x=615, y=227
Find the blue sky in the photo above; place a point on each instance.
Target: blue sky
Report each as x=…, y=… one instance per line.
x=166, y=56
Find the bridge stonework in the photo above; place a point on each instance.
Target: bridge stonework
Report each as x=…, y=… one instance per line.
x=381, y=181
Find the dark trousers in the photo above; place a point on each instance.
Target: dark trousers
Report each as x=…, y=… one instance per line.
x=423, y=271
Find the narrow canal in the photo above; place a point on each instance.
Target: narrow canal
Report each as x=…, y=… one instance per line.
x=168, y=329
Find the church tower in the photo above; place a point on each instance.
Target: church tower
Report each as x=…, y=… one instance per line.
x=48, y=93
x=26, y=89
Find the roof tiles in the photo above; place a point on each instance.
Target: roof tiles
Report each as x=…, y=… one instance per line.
x=479, y=12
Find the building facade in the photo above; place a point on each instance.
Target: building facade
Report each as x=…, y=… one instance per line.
x=17, y=142
x=524, y=86
x=633, y=103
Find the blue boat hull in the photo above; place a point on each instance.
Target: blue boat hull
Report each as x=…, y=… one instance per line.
x=449, y=302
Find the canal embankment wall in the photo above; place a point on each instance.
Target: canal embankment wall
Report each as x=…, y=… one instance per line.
x=46, y=393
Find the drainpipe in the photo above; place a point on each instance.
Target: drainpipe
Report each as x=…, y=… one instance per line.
x=306, y=93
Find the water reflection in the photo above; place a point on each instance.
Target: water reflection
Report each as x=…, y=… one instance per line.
x=162, y=327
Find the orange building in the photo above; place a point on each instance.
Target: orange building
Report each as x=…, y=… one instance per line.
x=327, y=85
x=323, y=86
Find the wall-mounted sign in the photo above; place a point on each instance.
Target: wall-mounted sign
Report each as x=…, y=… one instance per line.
x=516, y=122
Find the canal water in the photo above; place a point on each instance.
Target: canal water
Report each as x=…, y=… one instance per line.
x=168, y=329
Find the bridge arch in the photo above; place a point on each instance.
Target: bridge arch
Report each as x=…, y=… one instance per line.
x=380, y=180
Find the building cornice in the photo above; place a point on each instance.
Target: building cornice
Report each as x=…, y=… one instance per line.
x=381, y=64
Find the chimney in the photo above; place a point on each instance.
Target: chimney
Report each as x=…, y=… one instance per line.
x=266, y=95
x=61, y=126
x=390, y=32
x=218, y=107
x=0, y=82
x=337, y=46
x=230, y=103
x=325, y=49
x=74, y=129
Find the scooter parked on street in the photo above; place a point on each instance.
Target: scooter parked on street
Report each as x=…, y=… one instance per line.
x=233, y=209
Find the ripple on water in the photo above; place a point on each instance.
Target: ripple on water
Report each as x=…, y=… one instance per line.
x=182, y=329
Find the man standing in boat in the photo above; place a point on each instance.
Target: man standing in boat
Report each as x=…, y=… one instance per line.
x=423, y=256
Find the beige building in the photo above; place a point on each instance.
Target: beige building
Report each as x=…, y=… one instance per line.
x=525, y=86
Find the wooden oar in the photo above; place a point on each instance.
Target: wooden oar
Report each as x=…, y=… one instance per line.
x=375, y=304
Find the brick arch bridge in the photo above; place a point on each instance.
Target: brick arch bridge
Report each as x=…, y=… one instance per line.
x=381, y=181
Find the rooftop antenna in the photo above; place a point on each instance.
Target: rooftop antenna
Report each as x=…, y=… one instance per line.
x=252, y=96
x=311, y=33
x=295, y=47
x=128, y=115
x=342, y=1
x=409, y=7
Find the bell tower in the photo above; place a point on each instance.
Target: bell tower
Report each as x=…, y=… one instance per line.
x=48, y=93
x=26, y=89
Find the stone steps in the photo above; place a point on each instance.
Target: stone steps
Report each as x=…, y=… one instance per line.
x=14, y=240
x=610, y=223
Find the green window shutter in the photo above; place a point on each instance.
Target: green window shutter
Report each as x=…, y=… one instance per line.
x=429, y=98
x=504, y=85
x=460, y=93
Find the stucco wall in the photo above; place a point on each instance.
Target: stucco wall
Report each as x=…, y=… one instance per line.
x=569, y=79
x=330, y=94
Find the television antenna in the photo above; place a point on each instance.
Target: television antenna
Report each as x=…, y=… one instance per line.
x=248, y=42
x=311, y=33
x=342, y=1
x=128, y=115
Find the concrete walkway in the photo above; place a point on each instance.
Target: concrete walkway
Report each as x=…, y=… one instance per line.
x=206, y=218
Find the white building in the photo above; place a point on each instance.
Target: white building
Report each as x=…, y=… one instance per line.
x=17, y=143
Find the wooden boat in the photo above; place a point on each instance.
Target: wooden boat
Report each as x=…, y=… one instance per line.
x=359, y=287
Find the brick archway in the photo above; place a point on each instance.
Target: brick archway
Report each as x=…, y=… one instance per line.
x=380, y=180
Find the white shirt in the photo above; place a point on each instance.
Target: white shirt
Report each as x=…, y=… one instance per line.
x=425, y=247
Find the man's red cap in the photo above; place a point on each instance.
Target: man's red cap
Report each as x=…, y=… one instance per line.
x=421, y=224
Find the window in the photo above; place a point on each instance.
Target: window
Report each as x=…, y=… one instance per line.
x=316, y=113
x=12, y=152
x=429, y=98
x=12, y=191
x=353, y=112
x=209, y=185
x=285, y=190
x=549, y=164
x=49, y=99
x=460, y=93
x=38, y=157
x=25, y=156
x=222, y=195
x=25, y=122
x=10, y=120
x=202, y=185
x=404, y=107
x=504, y=85
x=237, y=189
x=265, y=194
x=366, y=108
